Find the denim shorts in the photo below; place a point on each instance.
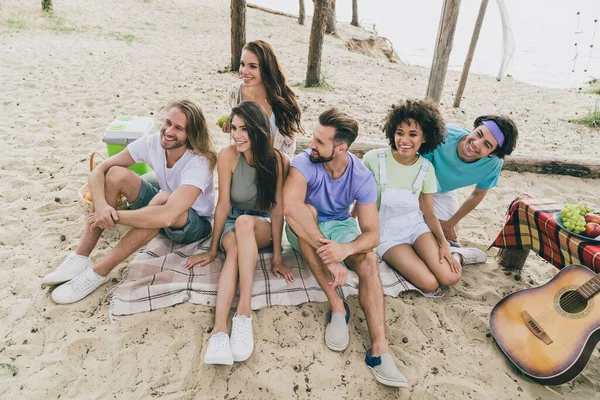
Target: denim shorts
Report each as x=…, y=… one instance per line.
x=195, y=228
x=236, y=212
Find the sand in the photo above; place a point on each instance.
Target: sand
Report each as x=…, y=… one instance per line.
x=64, y=79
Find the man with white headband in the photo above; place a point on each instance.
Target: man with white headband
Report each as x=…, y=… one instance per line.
x=469, y=158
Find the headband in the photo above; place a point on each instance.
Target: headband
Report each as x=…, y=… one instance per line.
x=496, y=132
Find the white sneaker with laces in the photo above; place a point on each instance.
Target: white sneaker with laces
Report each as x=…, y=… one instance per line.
x=73, y=266
x=470, y=255
x=219, y=350
x=78, y=288
x=242, y=339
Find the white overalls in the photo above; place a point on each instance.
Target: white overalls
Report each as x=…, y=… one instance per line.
x=400, y=218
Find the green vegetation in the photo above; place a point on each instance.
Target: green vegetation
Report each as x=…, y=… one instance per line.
x=58, y=24
x=323, y=83
x=11, y=367
x=594, y=86
x=16, y=24
x=128, y=37
x=591, y=118
x=46, y=5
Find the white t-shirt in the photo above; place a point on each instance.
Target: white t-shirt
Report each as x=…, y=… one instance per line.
x=190, y=169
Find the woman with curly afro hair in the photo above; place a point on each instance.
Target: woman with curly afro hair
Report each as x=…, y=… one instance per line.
x=412, y=241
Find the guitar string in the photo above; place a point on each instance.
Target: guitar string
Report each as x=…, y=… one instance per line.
x=575, y=296
x=572, y=300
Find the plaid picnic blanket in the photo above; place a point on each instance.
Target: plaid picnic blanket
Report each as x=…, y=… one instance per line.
x=156, y=278
x=530, y=225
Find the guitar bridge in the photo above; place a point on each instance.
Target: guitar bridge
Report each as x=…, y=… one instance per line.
x=535, y=328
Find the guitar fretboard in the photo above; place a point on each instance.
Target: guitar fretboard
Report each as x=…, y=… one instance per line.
x=591, y=287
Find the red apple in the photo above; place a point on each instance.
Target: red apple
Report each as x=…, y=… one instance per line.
x=592, y=229
x=592, y=218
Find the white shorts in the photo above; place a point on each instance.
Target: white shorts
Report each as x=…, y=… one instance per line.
x=412, y=229
x=445, y=205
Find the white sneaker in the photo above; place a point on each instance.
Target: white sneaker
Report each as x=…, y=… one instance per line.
x=73, y=266
x=470, y=255
x=78, y=288
x=242, y=340
x=219, y=350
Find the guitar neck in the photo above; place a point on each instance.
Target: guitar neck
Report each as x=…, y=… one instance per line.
x=591, y=287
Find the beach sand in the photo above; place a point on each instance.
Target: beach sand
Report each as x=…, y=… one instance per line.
x=64, y=78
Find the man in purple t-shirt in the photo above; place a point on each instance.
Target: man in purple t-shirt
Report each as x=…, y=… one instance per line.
x=322, y=184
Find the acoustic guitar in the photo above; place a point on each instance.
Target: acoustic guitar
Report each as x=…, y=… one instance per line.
x=549, y=332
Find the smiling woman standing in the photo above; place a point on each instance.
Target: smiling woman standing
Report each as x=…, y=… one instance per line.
x=263, y=82
x=248, y=217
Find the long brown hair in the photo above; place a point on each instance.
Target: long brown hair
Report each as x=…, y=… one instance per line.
x=265, y=158
x=279, y=95
x=199, y=139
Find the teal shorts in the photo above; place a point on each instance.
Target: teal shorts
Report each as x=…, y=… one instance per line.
x=339, y=231
x=195, y=228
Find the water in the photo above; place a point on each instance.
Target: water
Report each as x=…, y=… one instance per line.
x=545, y=33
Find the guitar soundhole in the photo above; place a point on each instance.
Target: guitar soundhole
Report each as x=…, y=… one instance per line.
x=572, y=302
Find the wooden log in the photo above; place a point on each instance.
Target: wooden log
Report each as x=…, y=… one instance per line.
x=238, y=32
x=443, y=47
x=469, y=59
x=330, y=24
x=315, y=49
x=301, y=13
x=581, y=168
x=354, y=21
x=271, y=11
x=512, y=259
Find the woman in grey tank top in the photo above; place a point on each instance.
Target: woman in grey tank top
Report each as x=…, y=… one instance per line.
x=248, y=217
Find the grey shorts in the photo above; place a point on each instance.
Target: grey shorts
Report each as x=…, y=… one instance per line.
x=195, y=228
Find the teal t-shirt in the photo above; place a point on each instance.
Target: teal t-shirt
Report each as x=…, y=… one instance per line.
x=398, y=176
x=453, y=173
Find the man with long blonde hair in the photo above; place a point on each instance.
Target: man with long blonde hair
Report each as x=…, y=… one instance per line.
x=183, y=156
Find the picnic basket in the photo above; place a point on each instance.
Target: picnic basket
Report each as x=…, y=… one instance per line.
x=83, y=190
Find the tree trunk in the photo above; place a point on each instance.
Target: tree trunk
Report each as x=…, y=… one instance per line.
x=238, y=31
x=354, y=21
x=46, y=5
x=301, y=13
x=443, y=47
x=317, y=31
x=330, y=26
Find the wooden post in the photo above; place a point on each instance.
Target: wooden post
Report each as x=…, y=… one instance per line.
x=46, y=5
x=354, y=21
x=469, y=59
x=512, y=259
x=301, y=13
x=317, y=31
x=330, y=26
x=443, y=47
x=238, y=31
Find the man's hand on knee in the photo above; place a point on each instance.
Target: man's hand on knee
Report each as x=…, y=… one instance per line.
x=103, y=217
x=340, y=274
x=332, y=252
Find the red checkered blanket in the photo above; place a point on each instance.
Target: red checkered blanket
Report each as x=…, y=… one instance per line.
x=530, y=225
